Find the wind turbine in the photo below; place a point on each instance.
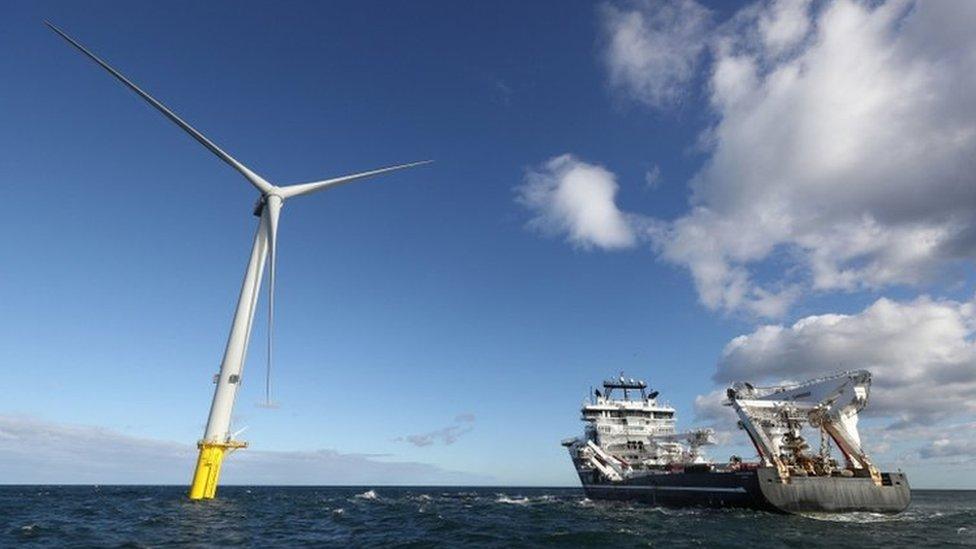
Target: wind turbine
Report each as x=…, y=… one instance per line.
x=218, y=439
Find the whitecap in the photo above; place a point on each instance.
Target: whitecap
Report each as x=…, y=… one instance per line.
x=513, y=501
x=368, y=494
x=673, y=511
x=856, y=517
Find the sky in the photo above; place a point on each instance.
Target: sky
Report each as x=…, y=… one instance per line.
x=690, y=193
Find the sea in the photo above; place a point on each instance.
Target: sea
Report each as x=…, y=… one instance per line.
x=381, y=516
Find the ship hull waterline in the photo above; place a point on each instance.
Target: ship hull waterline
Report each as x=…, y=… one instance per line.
x=758, y=489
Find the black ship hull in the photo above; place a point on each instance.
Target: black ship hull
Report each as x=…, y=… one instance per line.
x=758, y=489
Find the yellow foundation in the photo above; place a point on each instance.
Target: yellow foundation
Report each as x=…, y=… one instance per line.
x=204, y=485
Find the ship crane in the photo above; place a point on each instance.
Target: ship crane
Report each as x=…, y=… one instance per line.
x=773, y=416
x=693, y=440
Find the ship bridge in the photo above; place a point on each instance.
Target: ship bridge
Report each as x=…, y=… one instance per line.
x=635, y=404
x=625, y=418
x=625, y=421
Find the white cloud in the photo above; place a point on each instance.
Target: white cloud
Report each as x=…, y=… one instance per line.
x=955, y=444
x=653, y=48
x=922, y=355
x=710, y=412
x=34, y=451
x=784, y=24
x=844, y=143
x=702, y=241
x=571, y=197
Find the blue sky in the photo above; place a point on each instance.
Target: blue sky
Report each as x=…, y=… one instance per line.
x=406, y=301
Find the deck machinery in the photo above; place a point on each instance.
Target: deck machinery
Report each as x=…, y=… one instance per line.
x=775, y=416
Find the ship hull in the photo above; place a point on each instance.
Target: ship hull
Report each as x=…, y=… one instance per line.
x=758, y=489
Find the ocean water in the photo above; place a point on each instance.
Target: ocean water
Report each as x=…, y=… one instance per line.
x=161, y=516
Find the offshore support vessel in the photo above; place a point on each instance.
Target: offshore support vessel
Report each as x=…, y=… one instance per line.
x=631, y=450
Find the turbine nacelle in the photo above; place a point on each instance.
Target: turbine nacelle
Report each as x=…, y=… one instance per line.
x=263, y=199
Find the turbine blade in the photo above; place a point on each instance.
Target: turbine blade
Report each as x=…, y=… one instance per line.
x=307, y=188
x=254, y=178
x=272, y=208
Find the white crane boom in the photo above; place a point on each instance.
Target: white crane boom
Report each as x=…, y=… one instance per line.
x=773, y=416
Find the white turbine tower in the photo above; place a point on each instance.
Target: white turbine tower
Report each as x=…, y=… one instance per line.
x=218, y=439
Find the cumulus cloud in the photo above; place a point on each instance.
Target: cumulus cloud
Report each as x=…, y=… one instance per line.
x=955, y=445
x=922, y=354
x=842, y=150
x=710, y=412
x=784, y=24
x=653, y=48
x=35, y=451
x=463, y=424
x=945, y=445
x=574, y=198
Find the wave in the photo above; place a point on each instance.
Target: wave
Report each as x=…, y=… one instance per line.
x=513, y=501
x=525, y=500
x=368, y=495
x=858, y=518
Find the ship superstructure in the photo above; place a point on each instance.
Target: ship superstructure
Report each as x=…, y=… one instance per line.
x=626, y=421
x=631, y=450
